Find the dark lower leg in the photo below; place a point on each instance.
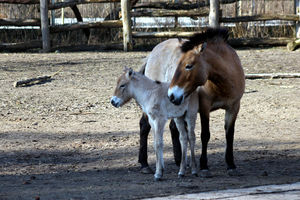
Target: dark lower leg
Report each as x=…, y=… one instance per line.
x=175, y=142
x=144, y=132
x=229, y=147
x=205, y=136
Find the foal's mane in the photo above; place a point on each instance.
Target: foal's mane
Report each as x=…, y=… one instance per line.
x=209, y=35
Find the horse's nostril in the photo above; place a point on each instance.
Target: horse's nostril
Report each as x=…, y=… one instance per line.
x=171, y=97
x=112, y=102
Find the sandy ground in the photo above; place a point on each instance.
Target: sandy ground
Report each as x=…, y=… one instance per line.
x=63, y=139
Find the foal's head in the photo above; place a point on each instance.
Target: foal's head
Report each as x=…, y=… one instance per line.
x=122, y=93
x=192, y=69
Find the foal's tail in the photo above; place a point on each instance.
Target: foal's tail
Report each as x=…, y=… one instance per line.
x=143, y=68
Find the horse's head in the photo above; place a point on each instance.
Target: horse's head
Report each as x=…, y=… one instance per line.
x=191, y=72
x=122, y=92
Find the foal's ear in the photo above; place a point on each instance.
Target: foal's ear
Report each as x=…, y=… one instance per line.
x=129, y=73
x=201, y=48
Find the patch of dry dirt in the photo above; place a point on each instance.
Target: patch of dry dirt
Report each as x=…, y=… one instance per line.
x=63, y=139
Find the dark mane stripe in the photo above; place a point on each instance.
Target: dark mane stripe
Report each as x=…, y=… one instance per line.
x=208, y=35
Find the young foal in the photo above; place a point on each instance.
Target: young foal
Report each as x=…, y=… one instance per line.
x=152, y=97
x=208, y=61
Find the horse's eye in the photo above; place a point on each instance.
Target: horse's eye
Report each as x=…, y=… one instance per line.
x=188, y=66
x=122, y=86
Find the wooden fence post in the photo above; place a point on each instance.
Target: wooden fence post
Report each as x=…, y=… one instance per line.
x=45, y=25
x=214, y=13
x=297, y=11
x=126, y=19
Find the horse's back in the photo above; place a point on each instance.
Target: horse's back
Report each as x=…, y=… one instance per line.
x=162, y=61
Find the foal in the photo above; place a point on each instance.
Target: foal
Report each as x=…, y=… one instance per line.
x=152, y=97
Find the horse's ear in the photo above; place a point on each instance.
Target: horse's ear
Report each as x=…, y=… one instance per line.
x=201, y=47
x=129, y=73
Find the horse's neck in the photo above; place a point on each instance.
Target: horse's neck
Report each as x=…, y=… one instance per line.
x=140, y=89
x=216, y=67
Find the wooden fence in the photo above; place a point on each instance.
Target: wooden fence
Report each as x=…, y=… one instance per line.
x=155, y=9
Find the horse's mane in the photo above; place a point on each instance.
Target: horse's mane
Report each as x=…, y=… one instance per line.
x=208, y=35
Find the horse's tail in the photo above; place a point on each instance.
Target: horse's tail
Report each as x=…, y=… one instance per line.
x=143, y=68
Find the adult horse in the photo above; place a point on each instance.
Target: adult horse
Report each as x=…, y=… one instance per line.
x=209, y=62
x=160, y=65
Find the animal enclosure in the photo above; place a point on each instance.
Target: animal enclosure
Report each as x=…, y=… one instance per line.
x=64, y=140
x=253, y=22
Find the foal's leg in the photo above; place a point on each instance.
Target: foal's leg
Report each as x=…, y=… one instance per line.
x=158, y=129
x=191, y=138
x=230, y=118
x=205, y=136
x=175, y=142
x=183, y=141
x=144, y=132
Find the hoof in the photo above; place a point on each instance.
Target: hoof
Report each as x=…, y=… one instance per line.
x=195, y=174
x=146, y=170
x=180, y=175
x=157, y=178
x=233, y=172
x=205, y=173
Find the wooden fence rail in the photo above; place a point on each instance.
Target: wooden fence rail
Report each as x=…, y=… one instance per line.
x=159, y=9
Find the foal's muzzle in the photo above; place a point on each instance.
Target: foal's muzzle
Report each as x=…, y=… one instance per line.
x=115, y=101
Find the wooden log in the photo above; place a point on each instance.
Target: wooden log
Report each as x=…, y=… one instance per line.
x=32, y=81
x=214, y=13
x=237, y=42
x=170, y=13
x=169, y=34
x=85, y=25
x=254, y=42
x=179, y=6
x=79, y=19
x=22, y=46
x=60, y=5
x=20, y=1
x=45, y=25
x=259, y=18
x=272, y=76
x=126, y=19
x=20, y=22
x=37, y=80
x=293, y=45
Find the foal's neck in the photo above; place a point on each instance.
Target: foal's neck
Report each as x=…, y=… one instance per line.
x=141, y=88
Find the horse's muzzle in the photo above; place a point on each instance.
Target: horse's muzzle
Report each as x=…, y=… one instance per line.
x=175, y=95
x=176, y=101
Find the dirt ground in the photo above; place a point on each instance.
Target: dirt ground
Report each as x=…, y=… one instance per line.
x=64, y=140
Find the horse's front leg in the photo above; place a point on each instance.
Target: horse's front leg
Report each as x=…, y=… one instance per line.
x=183, y=141
x=143, y=154
x=158, y=128
x=205, y=136
x=230, y=118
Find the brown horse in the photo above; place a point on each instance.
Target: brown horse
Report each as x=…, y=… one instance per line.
x=209, y=62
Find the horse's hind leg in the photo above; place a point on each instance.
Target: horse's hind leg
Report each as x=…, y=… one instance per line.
x=230, y=118
x=175, y=142
x=144, y=132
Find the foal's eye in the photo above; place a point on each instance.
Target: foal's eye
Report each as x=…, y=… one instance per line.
x=188, y=66
x=122, y=86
